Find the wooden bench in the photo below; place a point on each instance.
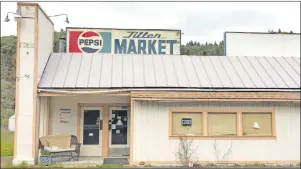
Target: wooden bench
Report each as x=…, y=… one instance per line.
x=61, y=151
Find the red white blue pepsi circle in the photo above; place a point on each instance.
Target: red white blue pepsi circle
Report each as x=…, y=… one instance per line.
x=90, y=42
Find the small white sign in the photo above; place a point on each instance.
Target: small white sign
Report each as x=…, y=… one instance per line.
x=113, y=115
x=119, y=123
x=90, y=134
x=118, y=117
x=113, y=126
x=65, y=115
x=117, y=131
x=256, y=125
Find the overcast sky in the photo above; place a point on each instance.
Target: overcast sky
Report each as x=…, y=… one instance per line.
x=200, y=21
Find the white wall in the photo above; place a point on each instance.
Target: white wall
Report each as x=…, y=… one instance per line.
x=24, y=126
x=45, y=41
x=57, y=103
x=26, y=102
x=43, y=116
x=151, y=141
x=262, y=44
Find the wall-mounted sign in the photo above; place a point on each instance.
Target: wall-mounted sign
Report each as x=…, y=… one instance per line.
x=186, y=121
x=123, y=41
x=65, y=115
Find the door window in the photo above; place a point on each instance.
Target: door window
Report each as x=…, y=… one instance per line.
x=91, y=127
x=119, y=127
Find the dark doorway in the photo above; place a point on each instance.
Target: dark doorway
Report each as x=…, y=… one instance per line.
x=92, y=127
x=119, y=132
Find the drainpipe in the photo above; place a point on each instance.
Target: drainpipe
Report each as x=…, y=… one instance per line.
x=62, y=42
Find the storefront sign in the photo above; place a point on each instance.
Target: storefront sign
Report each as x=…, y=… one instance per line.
x=123, y=41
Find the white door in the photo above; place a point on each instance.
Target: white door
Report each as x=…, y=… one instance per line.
x=119, y=127
x=91, y=131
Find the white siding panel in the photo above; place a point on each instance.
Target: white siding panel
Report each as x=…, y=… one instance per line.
x=137, y=127
x=283, y=148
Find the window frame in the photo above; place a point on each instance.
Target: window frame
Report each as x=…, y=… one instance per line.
x=170, y=122
x=239, y=123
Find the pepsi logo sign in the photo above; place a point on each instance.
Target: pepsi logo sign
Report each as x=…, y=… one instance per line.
x=90, y=42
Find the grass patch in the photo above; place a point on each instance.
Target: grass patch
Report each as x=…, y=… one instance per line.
x=110, y=166
x=25, y=165
x=7, y=142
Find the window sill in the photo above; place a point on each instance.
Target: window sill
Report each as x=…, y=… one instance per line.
x=225, y=137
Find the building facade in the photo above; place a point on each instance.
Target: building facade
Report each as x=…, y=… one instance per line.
x=140, y=106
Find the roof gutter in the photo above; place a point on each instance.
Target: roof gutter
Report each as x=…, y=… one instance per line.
x=108, y=91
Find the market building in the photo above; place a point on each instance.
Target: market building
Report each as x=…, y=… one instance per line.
x=136, y=104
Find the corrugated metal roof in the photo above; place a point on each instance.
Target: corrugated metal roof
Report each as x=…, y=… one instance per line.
x=71, y=70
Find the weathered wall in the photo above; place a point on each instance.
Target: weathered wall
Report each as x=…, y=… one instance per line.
x=151, y=141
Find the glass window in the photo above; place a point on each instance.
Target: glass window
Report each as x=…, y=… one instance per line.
x=257, y=124
x=181, y=124
x=222, y=124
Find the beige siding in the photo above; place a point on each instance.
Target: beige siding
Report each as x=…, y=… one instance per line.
x=57, y=103
x=151, y=141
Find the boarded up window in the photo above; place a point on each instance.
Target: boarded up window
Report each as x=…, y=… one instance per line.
x=257, y=124
x=195, y=129
x=221, y=124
